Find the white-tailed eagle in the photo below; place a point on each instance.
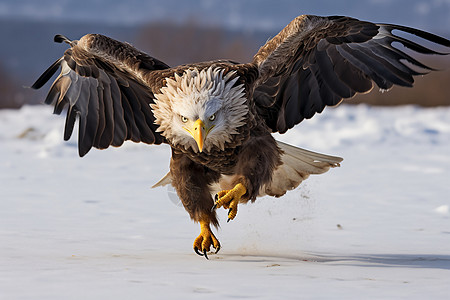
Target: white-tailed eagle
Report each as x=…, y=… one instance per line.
x=219, y=116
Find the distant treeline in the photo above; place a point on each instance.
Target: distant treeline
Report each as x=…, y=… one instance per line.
x=11, y=95
x=181, y=44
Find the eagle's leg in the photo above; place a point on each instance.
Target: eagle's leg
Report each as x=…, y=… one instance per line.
x=229, y=199
x=204, y=241
x=191, y=181
x=258, y=157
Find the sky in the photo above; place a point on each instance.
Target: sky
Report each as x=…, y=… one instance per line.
x=249, y=14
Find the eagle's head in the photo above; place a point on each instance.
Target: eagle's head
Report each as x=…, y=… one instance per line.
x=200, y=109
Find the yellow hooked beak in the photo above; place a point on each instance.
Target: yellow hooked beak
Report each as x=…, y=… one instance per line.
x=199, y=131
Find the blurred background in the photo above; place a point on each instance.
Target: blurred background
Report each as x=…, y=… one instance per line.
x=187, y=31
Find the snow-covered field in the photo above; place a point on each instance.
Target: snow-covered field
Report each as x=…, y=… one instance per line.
x=91, y=228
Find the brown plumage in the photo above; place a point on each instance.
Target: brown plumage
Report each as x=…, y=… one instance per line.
x=219, y=116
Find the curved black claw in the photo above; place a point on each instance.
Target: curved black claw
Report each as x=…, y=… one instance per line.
x=229, y=211
x=216, y=197
x=206, y=256
x=198, y=252
x=217, y=249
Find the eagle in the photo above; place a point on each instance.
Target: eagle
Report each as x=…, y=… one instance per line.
x=219, y=116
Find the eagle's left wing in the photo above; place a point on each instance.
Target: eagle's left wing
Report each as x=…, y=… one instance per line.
x=104, y=83
x=318, y=61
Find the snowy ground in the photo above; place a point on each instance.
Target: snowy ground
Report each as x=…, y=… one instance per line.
x=91, y=228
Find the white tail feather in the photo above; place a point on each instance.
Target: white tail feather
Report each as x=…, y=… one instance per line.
x=297, y=165
x=167, y=179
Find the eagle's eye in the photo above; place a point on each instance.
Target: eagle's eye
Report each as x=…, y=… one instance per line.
x=213, y=117
x=184, y=119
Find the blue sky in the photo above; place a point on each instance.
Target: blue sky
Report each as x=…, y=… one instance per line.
x=248, y=14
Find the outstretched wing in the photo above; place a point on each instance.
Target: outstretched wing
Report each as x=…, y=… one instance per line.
x=104, y=83
x=318, y=61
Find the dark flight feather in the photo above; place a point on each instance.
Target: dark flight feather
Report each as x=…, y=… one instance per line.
x=102, y=83
x=335, y=58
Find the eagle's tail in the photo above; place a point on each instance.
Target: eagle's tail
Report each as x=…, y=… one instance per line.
x=297, y=165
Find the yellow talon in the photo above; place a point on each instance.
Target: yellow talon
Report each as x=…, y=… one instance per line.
x=229, y=199
x=204, y=241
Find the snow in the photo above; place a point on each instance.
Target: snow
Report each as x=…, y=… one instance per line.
x=378, y=227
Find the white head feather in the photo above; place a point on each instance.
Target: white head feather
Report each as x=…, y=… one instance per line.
x=199, y=95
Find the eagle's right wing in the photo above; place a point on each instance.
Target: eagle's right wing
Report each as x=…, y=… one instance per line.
x=318, y=61
x=103, y=82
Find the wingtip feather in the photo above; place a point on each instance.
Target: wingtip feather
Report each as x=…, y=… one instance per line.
x=59, y=38
x=47, y=75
